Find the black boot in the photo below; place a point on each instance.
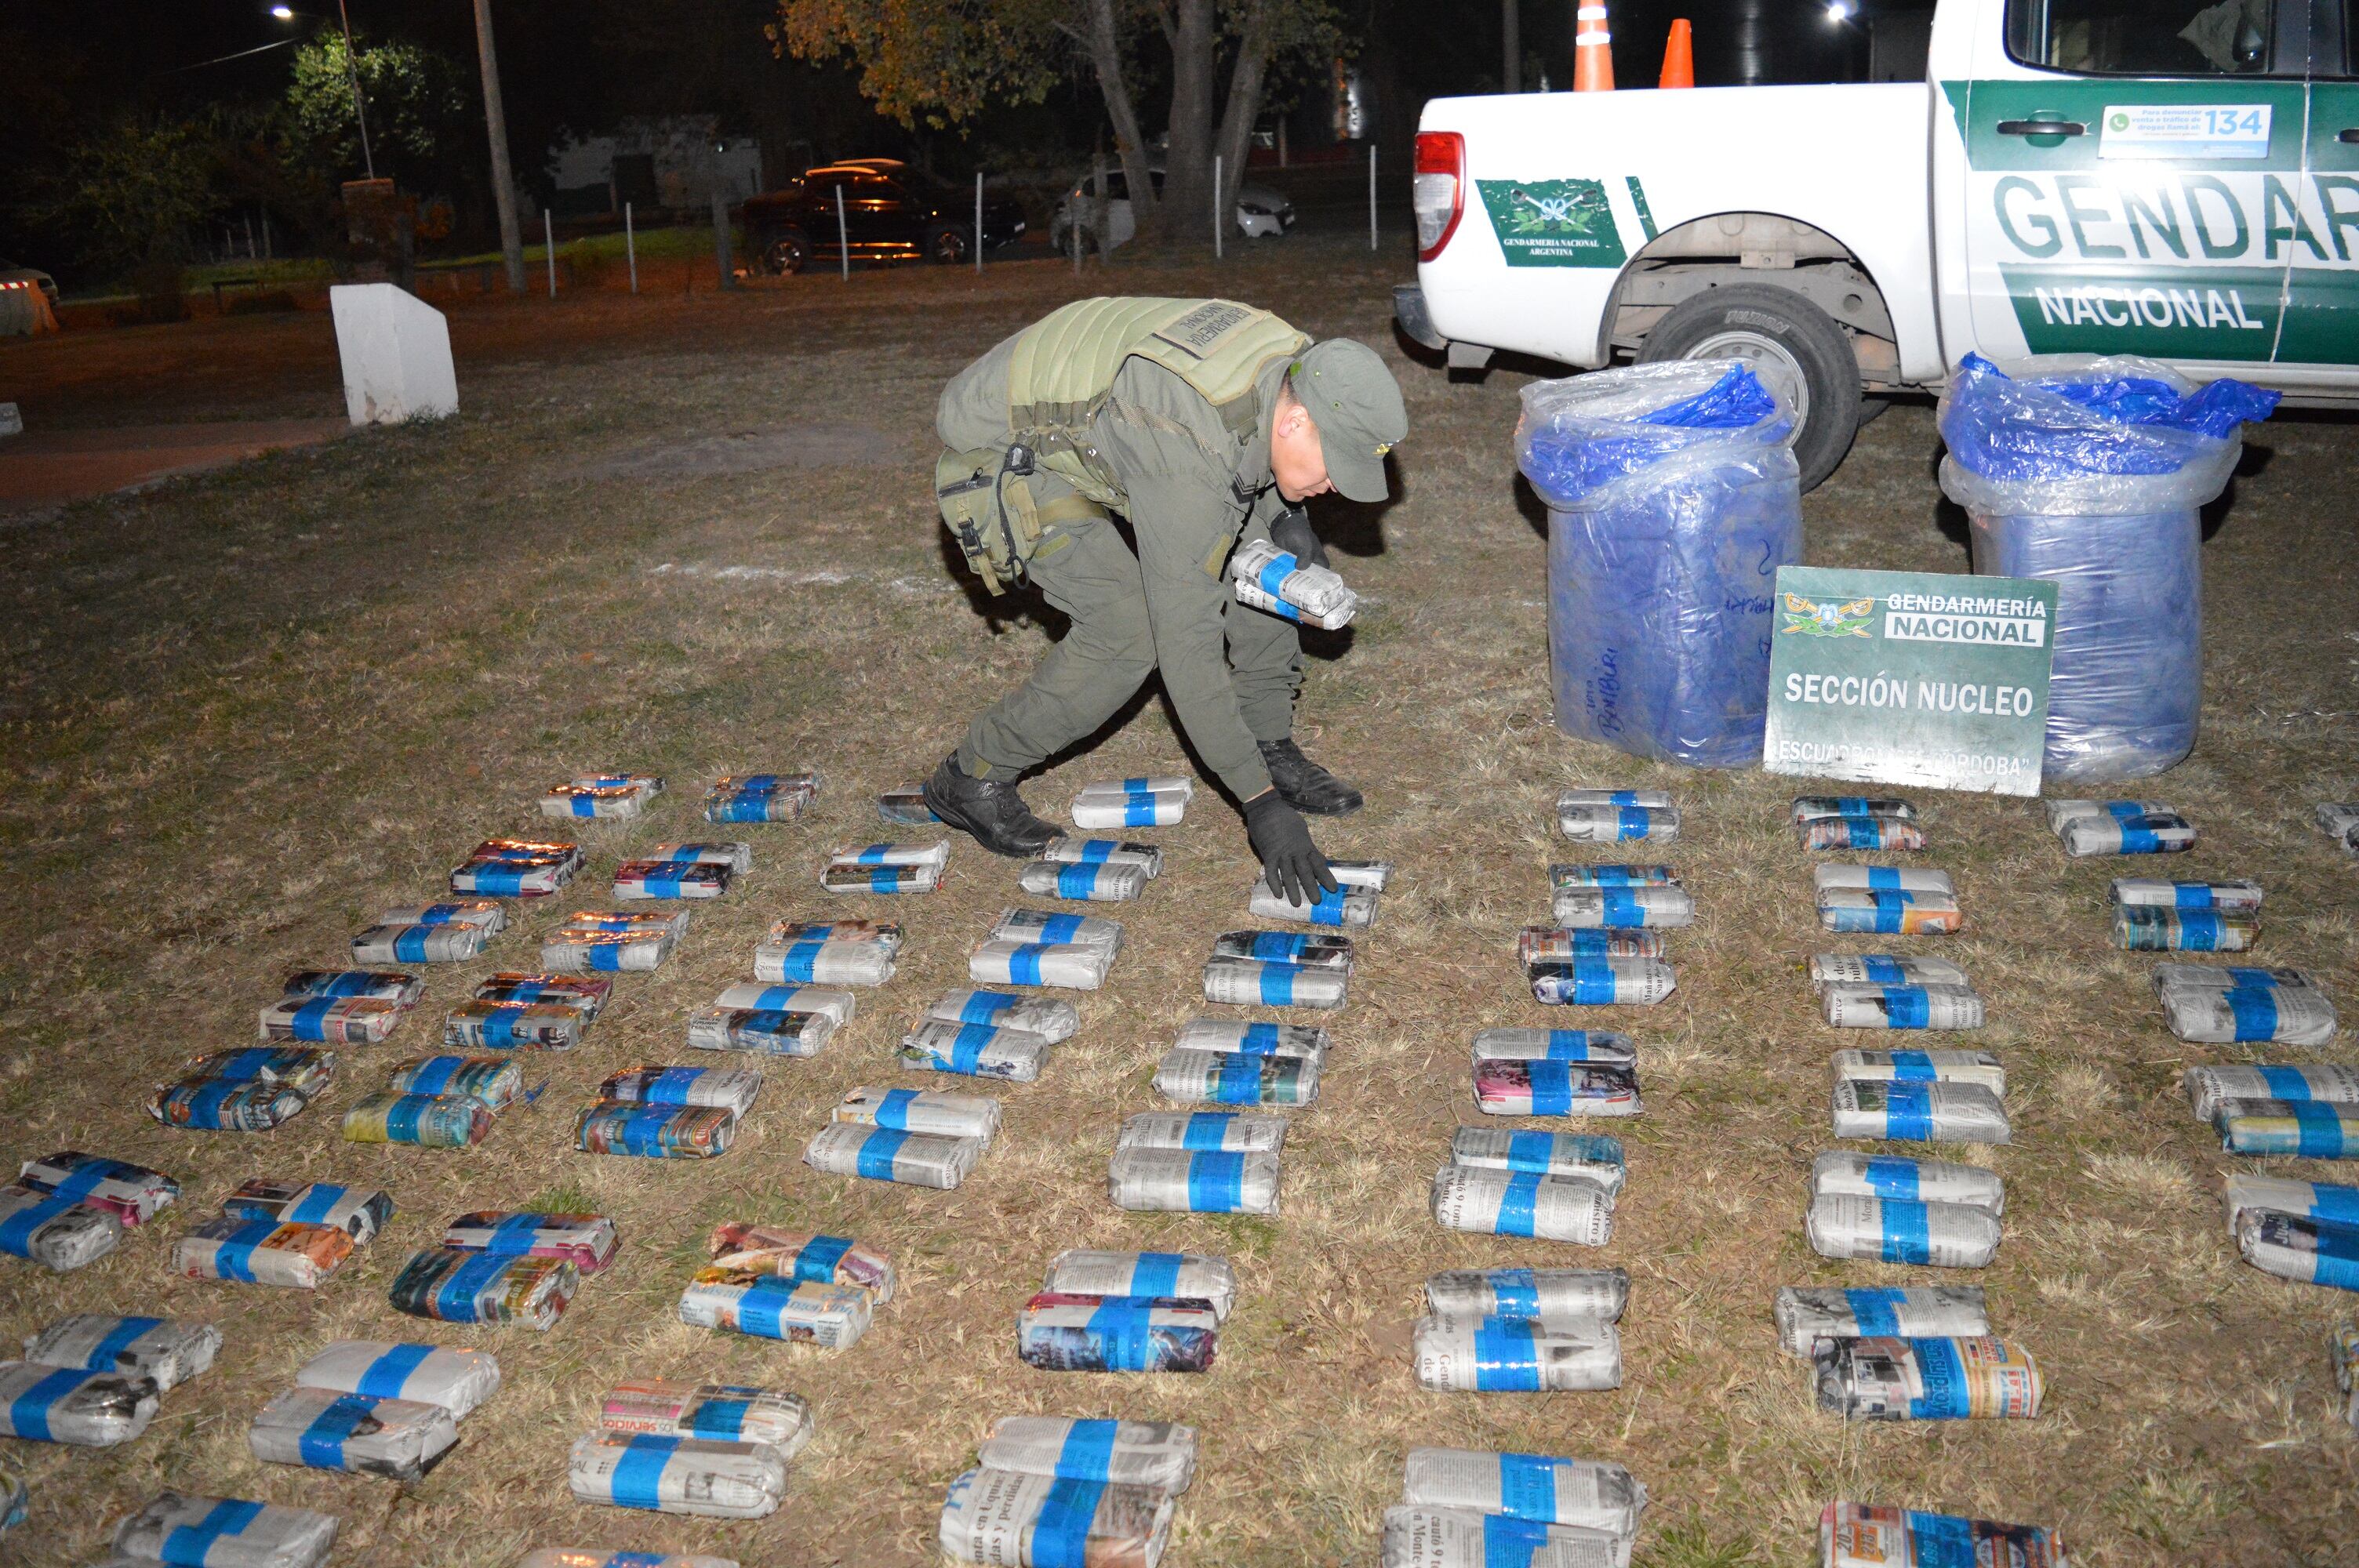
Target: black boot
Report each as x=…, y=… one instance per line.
x=1303, y=784
x=992, y=811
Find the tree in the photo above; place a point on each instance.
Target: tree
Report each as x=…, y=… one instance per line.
x=135, y=190
x=416, y=100
x=941, y=61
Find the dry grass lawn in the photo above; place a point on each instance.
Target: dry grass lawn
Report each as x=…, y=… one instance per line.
x=695, y=535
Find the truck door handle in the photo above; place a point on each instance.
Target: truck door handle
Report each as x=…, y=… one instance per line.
x=2348, y=134
x=2042, y=128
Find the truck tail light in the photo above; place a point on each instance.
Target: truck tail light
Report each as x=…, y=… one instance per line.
x=1439, y=191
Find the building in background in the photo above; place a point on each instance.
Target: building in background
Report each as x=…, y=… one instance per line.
x=671, y=162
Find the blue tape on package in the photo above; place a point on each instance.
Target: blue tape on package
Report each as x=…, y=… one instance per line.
x=1884, y=877
x=1622, y=797
x=1061, y=1533
x=1908, y=1111
x=1623, y=909
x=1216, y=1182
x=2336, y=1260
x=1890, y=1178
x=455, y=1297
x=876, y=1151
x=188, y=1545
x=1632, y=821
x=1527, y=1487
x=1517, y=1292
x=206, y=1102
x=1516, y=1204
x=2285, y=1082
x=2199, y=931
x=606, y=957
x=1907, y=1228
x=1910, y=1066
x=1259, y=1039
x=761, y=1311
x=28, y=1412
x=1505, y=1358
x=722, y=1420
x=1207, y=1130
x=389, y=1374
x=1087, y=1454
x=816, y=1262
x=893, y=1110
x=409, y=946
x=513, y=1237
x=981, y=1007
x=499, y=1028
x=2138, y=838
x=1530, y=1151
x=1156, y=1274
x=673, y=1086
x=873, y=855
x=402, y=1116
x=307, y=1023
x=1551, y=1087
x=1329, y=910
x=1285, y=947
x=1943, y=1377
x=1061, y=927
x=1125, y=1341
x=2327, y=1202
x=2255, y=1010
x=322, y=1446
x=1568, y=1044
x=966, y=1050
x=1883, y=971
x=1236, y=1080
x=662, y=882
x=497, y=881
x=88, y=1175
x=354, y=982
x=798, y=962
x=1862, y=832
x=888, y=879
x=1276, y=984
x=2319, y=1129
x=1096, y=852
x=638, y=1481
x=119, y=1339
x=234, y=1254
x=319, y=1201
x=1874, y=1310
x=1076, y=882
x=1273, y=576
x=1024, y=963
x=248, y=1064
x=1592, y=981
x=1139, y=811
x=1942, y=1540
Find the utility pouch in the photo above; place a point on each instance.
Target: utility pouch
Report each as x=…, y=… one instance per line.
x=968, y=487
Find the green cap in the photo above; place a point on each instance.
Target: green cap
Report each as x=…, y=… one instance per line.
x=1356, y=406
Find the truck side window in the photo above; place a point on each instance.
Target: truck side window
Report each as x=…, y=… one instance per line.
x=2141, y=37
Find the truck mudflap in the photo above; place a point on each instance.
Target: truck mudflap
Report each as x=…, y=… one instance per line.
x=1409, y=309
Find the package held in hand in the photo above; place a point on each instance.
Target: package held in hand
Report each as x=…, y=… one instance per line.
x=1517, y=1355
x=1068, y=965
x=176, y=1526
x=1913, y=1180
x=166, y=1351
x=1587, y=1493
x=1592, y=1157
x=1182, y=1276
x=726, y=1412
x=2119, y=827
x=450, y=1286
x=1603, y=982
x=585, y=1240
x=458, y=1380
x=1117, y=1333
x=920, y=1110
x=260, y=1252
x=1610, y=816
x=422, y=1121
x=1523, y=1203
x=1065, y=850
x=2208, y=1086
x=1153, y=1454
x=359, y=1212
x=1012, y=1517
x=398, y=1440
x=1192, y=1180
x=699, y=1475
x=760, y=797
x=768, y=1305
x=1884, y=912
x=1858, y=1535
x=801, y=1256
x=1555, y=1294
x=65, y=1404
x=1238, y=1038
x=1259, y=982
x=887, y=1154
x=1233, y=1131
x=1895, y=1230
x=1217, y=1078
x=1272, y=580
x=2312, y=1251
x=1555, y=1089
x=2307, y=1130
x=975, y=1050
x=1421, y=1537
x=653, y=878
x=451, y=944
x=1651, y=906
x=1346, y=906
x=1100, y=881
x=1959, y=1379
x=1808, y=1313
x=1918, y=1112
x=1158, y=801
x=57, y=1233
x=1883, y=970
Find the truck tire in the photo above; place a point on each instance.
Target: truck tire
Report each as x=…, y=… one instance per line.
x=1784, y=338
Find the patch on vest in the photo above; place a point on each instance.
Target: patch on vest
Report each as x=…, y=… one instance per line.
x=1201, y=330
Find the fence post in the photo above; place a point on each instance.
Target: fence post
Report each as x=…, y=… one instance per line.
x=549, y=247
x=843, y=235
x=631, y=246
x=1372, y=196
x=1217, y=225
x=978, y=222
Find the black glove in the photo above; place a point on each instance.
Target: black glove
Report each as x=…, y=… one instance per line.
x=1295, y=869
x=1292, y=532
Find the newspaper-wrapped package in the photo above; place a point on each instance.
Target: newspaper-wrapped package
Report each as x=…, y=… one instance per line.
x=769, y=1032
x=735, y=854
x=1098, y=881
x=2230, y=977
x=1911, y=1180
x=2340, y=822
x=2304, y=1200
x=1192, y=1180
x=1069, y=966
x=585, y=994
x=1957, y=1379
x=887, y=1154
x=1943, y=1008
x=1587, y=1493
x=1555, y=1089
x=458, y=1380
x=517, y=868
x=1418, y=1537
x=1808, y=1313
x=1894, y=1230
x=223, y=1533
x=760, y=797
x=1344, y=906
x=1562, y=945
x=1918, y=1112
x=2309, y=1130
x=359, y=1212
x=1922, y=1067
x=1153, y=802
x=1236, y=1037
x=1057, y=930
x=1858, y=1535
x=1219, y=1077
x=1271, y=580
x=1599, y=1045
x=1066, y=850
x=330, y=1020
x=1602, y=874
x=424, y=1121
x=398, y=1440
x=1592, y=1157
x=1883, y=879
x=934, y=857
x=2207, y=1086
x=299, y=1068
x=1881, y=911
x=487, y=914
x=1117, y=1333
x=1809, y=808
x=1883, y=970
x=920, y=1110
x=1304, y=949
x=586, y=1240
x=1236, y=1132
x=2276, y=1007
x=2119, y=827
x=725, y=1413
x=57, y=1233
x=2157, y=892
x=651, y=877
x=1603, y=982
x=1009, y=1517
x=1863, y=830
x=838, y=1006
x=418, y=944
x=260, y=1252
x=132, y=1194
x=851, y=875
x=1610, y=816
x=974, y=1050
x=699, y=1475
x=767, y=1305
x=1651, y=906
x=602, y=795
x=801, y=1256
x=479, y=1025
x=2313, y=1251
x=1182, y=1276
x=732, y=1089
x=497, y=1081
x=1523, y=1203
x=1049, y=1018
x=66, y=1404
x=1255, y=982
x=226, y=1105
x=906, y=804
x=831, y=953
x=1154, y=1453
x=1555, y=1294
x=166, y=1351
x=571, y=952
x=2143, y=929
x=379, y=985
x=1517, y=1355
x=655, y=1131
x=450, y=1286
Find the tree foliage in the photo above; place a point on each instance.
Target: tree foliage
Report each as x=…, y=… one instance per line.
x=416, y=100
x=135, y=190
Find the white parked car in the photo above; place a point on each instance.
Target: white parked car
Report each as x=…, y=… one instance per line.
x=1262, y=213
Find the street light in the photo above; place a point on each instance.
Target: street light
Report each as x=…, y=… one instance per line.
x=351, y=69
x=284, y=12
x=1839, y=11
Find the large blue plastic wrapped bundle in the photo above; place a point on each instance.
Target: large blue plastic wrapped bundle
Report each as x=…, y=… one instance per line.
x=2089, y=473
x=1673, y=499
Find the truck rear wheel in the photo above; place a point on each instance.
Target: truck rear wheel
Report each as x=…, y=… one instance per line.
x=1787, y=341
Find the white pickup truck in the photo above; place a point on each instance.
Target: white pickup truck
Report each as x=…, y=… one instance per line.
x=2164, y=178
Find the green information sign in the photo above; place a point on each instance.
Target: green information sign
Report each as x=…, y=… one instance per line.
x=1924, y=678
x=1553, y=223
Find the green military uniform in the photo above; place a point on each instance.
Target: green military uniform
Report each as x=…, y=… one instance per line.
x=1158, y=411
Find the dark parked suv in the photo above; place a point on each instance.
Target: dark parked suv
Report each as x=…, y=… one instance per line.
x=891, y=212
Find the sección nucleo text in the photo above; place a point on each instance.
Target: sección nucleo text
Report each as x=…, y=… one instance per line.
x=1880, y=690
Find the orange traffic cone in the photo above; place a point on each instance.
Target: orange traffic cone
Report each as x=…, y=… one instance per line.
x=1593, y=52
x=1679, y=56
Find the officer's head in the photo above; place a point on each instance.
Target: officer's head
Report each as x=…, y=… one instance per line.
x=1339, y=412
